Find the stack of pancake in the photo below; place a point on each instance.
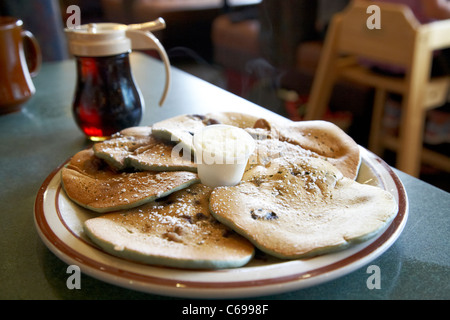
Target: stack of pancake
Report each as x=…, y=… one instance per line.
x=298, y=196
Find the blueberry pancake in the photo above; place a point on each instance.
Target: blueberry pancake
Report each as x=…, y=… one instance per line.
x=177, y=231
x=302, y=207
x=323, y=139
x=93, y=184
x=136, y=148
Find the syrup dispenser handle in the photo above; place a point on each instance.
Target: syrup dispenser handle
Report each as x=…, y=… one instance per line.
x=144, y=40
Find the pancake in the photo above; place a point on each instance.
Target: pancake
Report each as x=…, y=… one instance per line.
x=157, y=155
x=177, y=231
x=240, y=120
x=137, y=148
x=180, y=130
x=324, y=139
x=91, y=183
x=302, y=207
x=267, y=150
x=116, y=150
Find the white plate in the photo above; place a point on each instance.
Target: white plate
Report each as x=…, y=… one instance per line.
x=59, y=223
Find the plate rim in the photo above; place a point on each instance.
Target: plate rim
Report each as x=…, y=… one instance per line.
x=221, y=289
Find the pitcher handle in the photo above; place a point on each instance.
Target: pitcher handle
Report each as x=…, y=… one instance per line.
x=35, y=61
x=144, y=40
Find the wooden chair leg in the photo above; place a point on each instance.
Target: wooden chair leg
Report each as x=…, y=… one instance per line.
x=325, y=76
x=376, y=123
x=412, y=123
x=320, y=97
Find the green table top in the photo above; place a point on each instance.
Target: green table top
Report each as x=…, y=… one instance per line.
x=34, y=141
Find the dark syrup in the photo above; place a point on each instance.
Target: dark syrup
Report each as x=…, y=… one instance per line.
x=106, y=98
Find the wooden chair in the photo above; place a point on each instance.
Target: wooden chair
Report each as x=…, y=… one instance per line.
x=401, y=41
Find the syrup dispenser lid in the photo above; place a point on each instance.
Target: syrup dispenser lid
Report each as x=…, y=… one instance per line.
x=98, y=39
x=104, y=39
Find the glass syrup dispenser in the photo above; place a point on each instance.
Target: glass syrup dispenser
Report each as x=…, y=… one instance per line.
x=107, y=98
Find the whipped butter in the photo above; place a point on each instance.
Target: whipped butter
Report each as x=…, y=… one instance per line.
x=221, y=154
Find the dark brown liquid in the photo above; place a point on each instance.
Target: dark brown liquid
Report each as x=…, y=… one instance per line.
x=106, y=98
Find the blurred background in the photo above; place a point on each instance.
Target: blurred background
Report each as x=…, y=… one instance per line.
x=266, y=51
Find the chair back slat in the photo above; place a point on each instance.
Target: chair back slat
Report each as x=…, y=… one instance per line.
x=393, y=43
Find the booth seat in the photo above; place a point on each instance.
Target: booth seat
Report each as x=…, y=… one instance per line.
x=188, y=21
